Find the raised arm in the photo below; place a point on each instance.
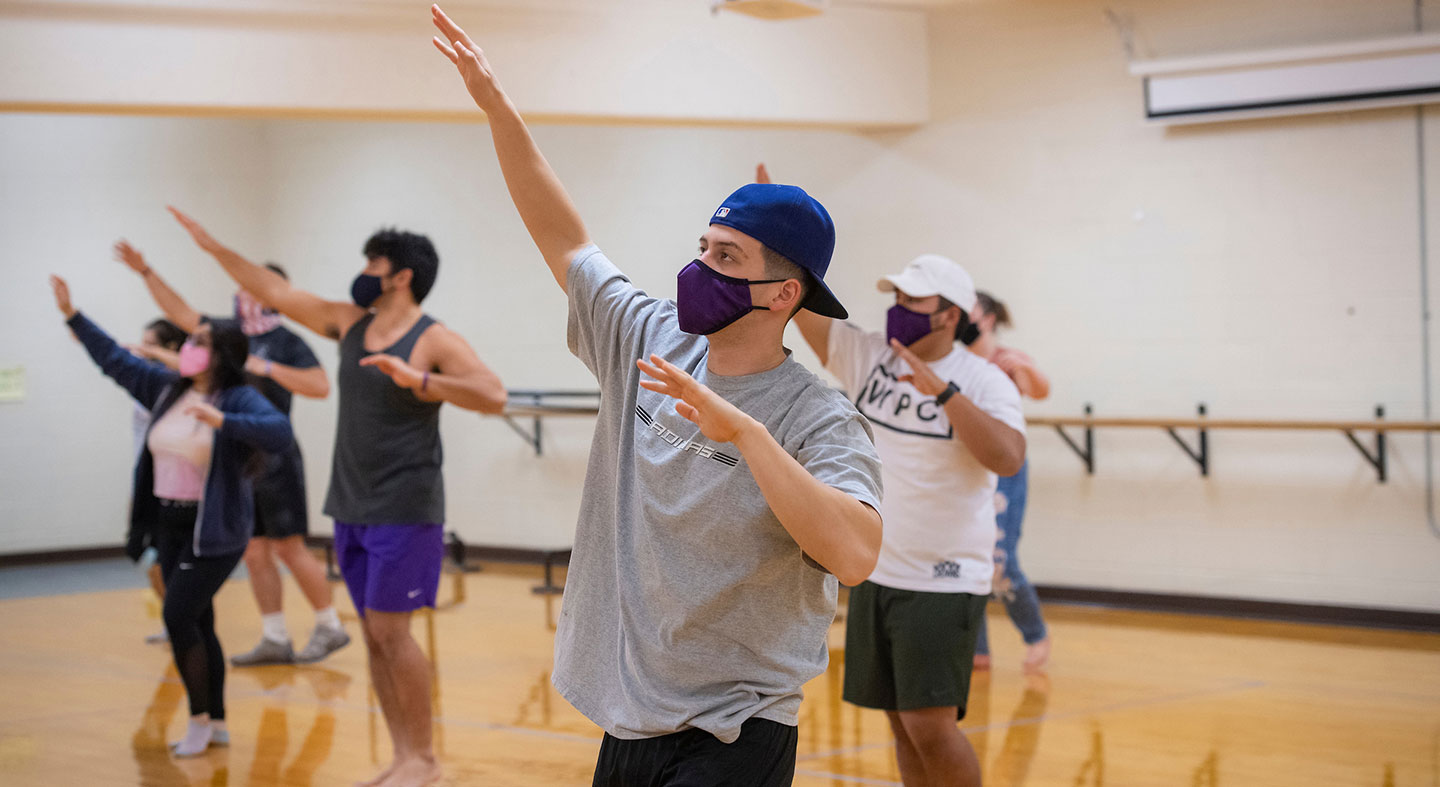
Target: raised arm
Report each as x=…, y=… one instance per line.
x=838, y=531
x=995, y=444
x=816, y=330
x=544, y=206
x=1032, y=383
x=327, y=318
x=169, y=301
x=461, y=378
x=143, y=380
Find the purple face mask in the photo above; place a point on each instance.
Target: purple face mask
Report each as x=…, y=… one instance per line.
x=905, y=326
x=708, y=301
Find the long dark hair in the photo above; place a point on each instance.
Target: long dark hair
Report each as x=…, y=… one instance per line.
x=168, y=334
x=229, y=347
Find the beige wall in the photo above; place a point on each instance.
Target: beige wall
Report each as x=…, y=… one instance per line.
x=658, y=60
x=69, y=188
x=1267, y=268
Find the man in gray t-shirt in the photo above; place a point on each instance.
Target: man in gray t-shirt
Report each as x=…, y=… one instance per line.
x=727, y=489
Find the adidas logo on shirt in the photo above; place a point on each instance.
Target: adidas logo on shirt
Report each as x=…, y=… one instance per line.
x=681, y=443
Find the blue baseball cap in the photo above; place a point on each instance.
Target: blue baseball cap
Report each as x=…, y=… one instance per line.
x=794, y=225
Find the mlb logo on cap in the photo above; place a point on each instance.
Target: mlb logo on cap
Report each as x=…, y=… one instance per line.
x=722, y=213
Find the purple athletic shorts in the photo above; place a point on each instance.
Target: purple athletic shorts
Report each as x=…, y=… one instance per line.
x=390, y=568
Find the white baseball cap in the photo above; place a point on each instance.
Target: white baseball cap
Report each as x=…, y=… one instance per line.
x=931, y=274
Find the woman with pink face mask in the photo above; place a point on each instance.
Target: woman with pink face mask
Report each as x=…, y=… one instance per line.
x=192, y=487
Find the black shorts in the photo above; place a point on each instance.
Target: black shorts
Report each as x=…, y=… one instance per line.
x=906, y=650
x=280, y=505
x=763, y=756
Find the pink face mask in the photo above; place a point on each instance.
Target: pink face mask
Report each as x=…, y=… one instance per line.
x=194, y=359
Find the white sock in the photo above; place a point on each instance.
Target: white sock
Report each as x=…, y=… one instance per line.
x=274, y=627
x=197, y=739
x=327, y=618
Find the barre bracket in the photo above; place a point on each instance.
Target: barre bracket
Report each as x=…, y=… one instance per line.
x=1086, y=454
x=1377, y=460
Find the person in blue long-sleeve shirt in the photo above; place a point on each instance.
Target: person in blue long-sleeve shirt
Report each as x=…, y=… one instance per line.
x=192, y=487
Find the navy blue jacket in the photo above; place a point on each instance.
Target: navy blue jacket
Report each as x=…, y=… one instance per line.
x=226, y=517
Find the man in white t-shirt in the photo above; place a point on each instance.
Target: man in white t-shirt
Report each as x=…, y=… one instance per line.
x=946, y=423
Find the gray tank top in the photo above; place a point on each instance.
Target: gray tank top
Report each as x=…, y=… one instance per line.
x=387, y=442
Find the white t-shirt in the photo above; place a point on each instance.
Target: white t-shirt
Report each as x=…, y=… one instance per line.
x=939, y=506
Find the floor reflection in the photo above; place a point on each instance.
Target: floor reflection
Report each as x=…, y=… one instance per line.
x=1208, y=774
x=272, y=739
x=539, y=700
x=1092, y=770
x=1022, y=738
x=149, y=745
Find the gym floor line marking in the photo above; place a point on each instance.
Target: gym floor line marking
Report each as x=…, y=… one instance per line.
x=1041, y=719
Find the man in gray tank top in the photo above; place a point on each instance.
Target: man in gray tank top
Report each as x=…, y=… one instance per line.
x=397, y=366
x=727, y=489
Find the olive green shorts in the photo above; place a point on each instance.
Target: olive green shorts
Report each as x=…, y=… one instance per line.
x=906, y=650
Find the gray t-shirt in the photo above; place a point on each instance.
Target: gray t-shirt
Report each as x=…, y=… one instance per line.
x=687, y=604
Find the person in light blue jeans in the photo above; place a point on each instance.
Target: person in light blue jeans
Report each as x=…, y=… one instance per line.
x=1010, y=583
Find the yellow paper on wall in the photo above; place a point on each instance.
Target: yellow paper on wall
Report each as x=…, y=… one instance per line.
x=12, y=384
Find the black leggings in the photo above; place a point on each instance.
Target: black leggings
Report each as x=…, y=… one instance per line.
x=190, y=585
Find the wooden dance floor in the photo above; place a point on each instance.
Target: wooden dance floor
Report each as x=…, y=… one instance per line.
x=1130, y=699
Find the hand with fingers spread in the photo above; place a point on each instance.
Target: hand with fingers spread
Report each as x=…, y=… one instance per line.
x=718, y=419
x=404, y=375
x=456, y=45
x=206, y=413
x=62, y=296
x=197, y=232
x=921, y=376
x=132, y=257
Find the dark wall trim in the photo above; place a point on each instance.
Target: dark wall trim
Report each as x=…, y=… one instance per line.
x=60, y=556
x=1325, y=614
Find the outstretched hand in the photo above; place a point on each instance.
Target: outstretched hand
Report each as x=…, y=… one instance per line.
x=62, y=296
x=404, y=375
x=131, y=256
x=456, y=45
x=197, y=232
x=762, y=175
x=921, y=375
x=718, y=419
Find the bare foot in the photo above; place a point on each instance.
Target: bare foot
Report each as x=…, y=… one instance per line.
x=375, y=780
x=414, y=772
x=1037, y=656
x=982, y=662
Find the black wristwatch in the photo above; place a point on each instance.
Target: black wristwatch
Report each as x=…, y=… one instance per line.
x=950, y=390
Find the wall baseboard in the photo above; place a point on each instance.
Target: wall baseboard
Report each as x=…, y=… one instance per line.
x=1220, y=606
x=61, y=556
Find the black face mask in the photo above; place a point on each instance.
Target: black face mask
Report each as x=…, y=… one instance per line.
x=967, y=332
x=366, y=289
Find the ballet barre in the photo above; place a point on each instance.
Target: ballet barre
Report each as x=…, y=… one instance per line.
x=1200, y=451
x=539, y=405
